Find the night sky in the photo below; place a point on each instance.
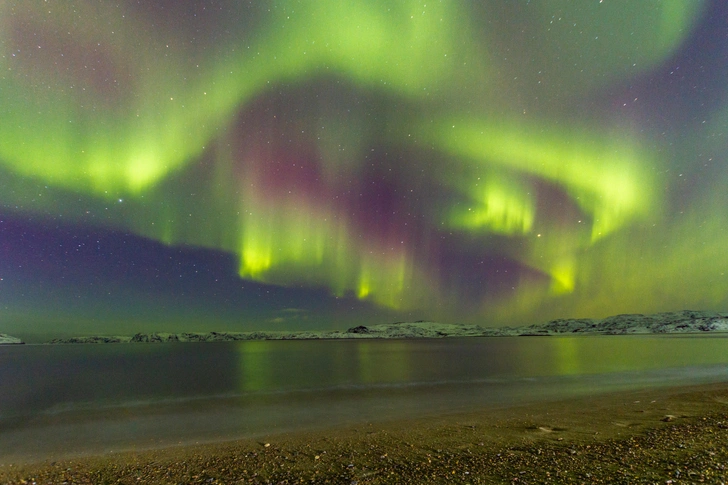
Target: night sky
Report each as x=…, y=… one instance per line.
x=178, y=165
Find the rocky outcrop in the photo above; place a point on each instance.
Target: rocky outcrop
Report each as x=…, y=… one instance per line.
x=420, y=330
x=672, y=322
x=6, y=339
x=155, y=337
x=90, y=340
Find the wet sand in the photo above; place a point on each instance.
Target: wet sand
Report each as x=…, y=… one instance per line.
x=677, y=435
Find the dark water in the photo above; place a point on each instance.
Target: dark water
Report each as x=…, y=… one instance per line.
x=63, y=400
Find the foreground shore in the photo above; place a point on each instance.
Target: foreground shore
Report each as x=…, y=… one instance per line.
x=677, y=435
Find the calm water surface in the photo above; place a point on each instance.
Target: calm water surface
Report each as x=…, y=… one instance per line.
x=73, y=399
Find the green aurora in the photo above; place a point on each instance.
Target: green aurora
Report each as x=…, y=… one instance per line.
x=493, y=163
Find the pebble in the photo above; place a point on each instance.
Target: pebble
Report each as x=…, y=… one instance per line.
x=694, y=448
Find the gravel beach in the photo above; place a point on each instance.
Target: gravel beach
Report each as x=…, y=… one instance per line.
x=666, y=436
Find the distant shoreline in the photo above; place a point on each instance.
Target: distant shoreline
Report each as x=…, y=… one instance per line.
x=682, y=322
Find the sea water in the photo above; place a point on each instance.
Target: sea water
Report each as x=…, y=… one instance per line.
x=65, y=400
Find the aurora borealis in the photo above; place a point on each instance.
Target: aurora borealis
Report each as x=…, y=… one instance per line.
x=227, y=165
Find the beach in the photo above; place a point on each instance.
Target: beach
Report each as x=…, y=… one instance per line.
x=669, y=435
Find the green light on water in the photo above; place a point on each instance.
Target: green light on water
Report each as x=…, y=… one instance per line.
x=255, y=366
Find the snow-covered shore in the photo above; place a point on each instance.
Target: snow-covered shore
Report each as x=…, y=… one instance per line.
x=6, y=339
x=660, y=323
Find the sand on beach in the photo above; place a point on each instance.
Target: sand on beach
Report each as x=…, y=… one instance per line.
x=675, y=435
